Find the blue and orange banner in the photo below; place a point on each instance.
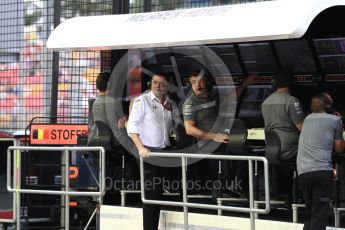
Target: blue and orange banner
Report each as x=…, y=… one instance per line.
x=56, y=134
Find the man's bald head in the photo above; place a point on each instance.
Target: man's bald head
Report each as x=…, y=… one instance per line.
x=321, y=103
x=317, y=105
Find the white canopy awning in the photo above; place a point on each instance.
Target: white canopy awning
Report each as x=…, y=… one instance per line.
x=270, y=20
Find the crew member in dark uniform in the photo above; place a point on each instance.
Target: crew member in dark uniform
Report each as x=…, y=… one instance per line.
x=283, y=114
x=200, y=112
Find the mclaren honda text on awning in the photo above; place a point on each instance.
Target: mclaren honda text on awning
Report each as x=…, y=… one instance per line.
x=269, y=20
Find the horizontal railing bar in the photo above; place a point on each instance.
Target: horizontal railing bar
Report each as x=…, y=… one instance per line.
x=53, y=192
x=72, y=148
x=206, y=206
x=208, y=156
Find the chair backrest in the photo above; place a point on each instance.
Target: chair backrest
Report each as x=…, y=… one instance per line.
x=103, y=136
x=272, y=152
x=238, y=137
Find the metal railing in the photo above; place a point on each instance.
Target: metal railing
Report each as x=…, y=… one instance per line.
x=16, y=150
x=185, y=204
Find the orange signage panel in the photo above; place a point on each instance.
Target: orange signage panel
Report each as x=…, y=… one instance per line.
x=73, y=172
x=56, y=134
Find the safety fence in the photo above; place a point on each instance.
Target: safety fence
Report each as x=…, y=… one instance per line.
x=185, y=204
x=16, y=188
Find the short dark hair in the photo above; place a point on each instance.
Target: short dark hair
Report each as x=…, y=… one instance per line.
x=102, y=81
x=195, y=73
x=161, y=74
x=283, y=78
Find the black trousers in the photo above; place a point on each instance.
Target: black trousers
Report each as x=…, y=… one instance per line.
x=316, y=188
x=156, y=177
x=153, y=191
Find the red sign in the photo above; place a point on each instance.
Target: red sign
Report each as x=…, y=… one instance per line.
x=56, y=134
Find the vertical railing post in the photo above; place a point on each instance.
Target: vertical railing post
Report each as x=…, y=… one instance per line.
x=184, y=192
x=101, y=174
x=267, y=184
x=256, y=176
x=18, y=185
x=67, y=189
x=142, y=178
x=251, y=195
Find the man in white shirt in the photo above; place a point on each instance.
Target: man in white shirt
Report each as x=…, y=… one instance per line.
x=152, y=117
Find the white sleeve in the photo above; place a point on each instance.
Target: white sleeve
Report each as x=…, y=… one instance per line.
x=136, y=116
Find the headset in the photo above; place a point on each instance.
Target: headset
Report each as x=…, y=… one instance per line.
x=209, y=81
x=327, y=103
x=274, y=82
x=149, y=82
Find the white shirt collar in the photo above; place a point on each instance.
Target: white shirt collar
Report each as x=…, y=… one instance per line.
x=153, y=97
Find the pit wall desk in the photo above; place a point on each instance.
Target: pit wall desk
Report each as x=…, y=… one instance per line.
x=259, y=134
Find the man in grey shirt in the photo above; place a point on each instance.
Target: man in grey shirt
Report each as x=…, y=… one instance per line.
x=321, y=133
x=109, y=110
x=283, y=114
x=200, y=110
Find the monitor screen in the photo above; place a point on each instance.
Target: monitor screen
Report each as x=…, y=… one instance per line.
x=252, y=99
x=333, y=64
x=228, y=56
x=331, y=54
x=296, y=55
x=187, y=59
x=330, y=46
x=257, y=57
